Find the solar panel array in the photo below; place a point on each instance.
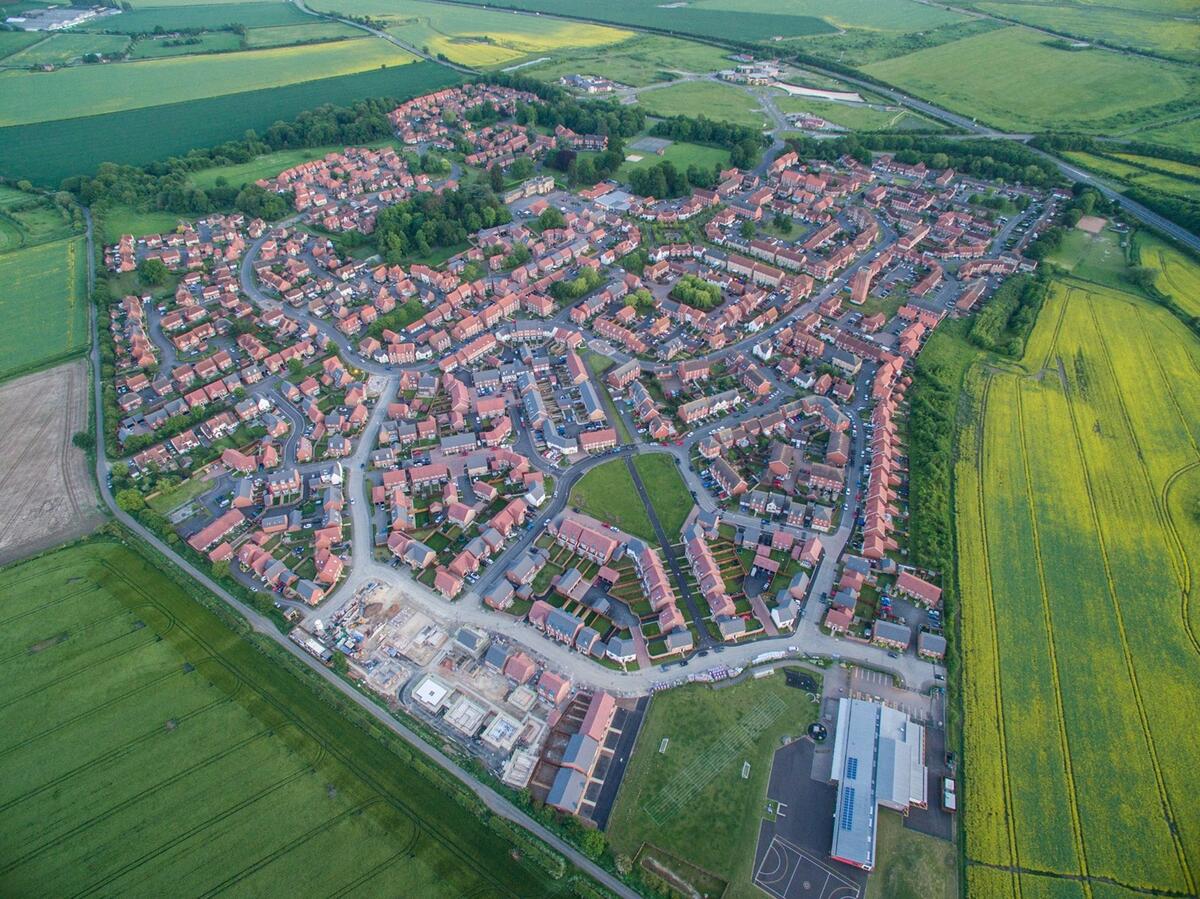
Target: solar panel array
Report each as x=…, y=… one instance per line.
x=852, y=768
x=847, y=821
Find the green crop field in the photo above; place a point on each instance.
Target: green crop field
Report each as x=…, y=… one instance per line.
x=692, y=801
x=1077, y=557
x=646, y=59
x=43, y=304
x=1164, y=33
x=48, y=152
x=668, y=493
x=59, y=49
x=1140, y=171
x=701, y=19
x=281, y=35
x=12, y=41
x=173, y=17
x=719, y=102
x=149, y=749
x=999, y=77
x=607, y=492
x=27, y=97
x=857, y=117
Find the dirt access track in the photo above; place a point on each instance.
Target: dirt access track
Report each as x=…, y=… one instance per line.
x=46, y=497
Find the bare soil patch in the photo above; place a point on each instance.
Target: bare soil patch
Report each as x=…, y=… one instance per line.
x=46, y=496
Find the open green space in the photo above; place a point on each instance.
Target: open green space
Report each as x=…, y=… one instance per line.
x=911, y=865
x=43, y=304
x=64, y=47
x=718, y=102
x=856, y=116
x=690, y=18
x=48, y=152
x=27, y=97
x=1000, y=77
x=680, y=154
x=12, y=41
x=1085, y=455
x=645, y=59
x=29, y=218
x=168, y=501
x=149, y=749
x=607, y=493
x=115, y=220
x=1099, y=258
x=1156, y=31
x=692, y=800
x=669, y=495
x=175, y=17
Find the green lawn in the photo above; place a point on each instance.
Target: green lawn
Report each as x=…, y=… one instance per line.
x=88, y=90
x=170, y=500
x=149, y=749
x=43, y=304
x=680, y=154
x=691, y=801
x=607, y=492
x=911, y=865
x=1099, y=258
x=720, y=102
x=116, y=220
x=668, y=493
x=1000, y=77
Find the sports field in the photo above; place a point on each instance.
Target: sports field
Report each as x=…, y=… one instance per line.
x=1075, y=490
x=43, y=304
x=680, y=154
x=478, y=37
x=27, y=97
x=607, y=492
x=668, y=493
x=1000, y=78
x=645, y=59
x=692, y=800
x=150, y=750
x=718, y=102
x=48, y=152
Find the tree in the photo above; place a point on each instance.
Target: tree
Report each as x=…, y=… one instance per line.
x=593, y=844
x=129, y=500
x=625, y=863
x=550, y=218
x=295, y=367
x=783, y=222
x=522, y=168
x=496, y=178
x=340, y=664
x=83, y=440
x=747, y=230
x=153, y=272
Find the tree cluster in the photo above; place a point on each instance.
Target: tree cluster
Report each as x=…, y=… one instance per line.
x=1004, y=323
x=428, y=220
x=663, y=180
x=582, y=284
x=743, y=143
x=696, y=292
